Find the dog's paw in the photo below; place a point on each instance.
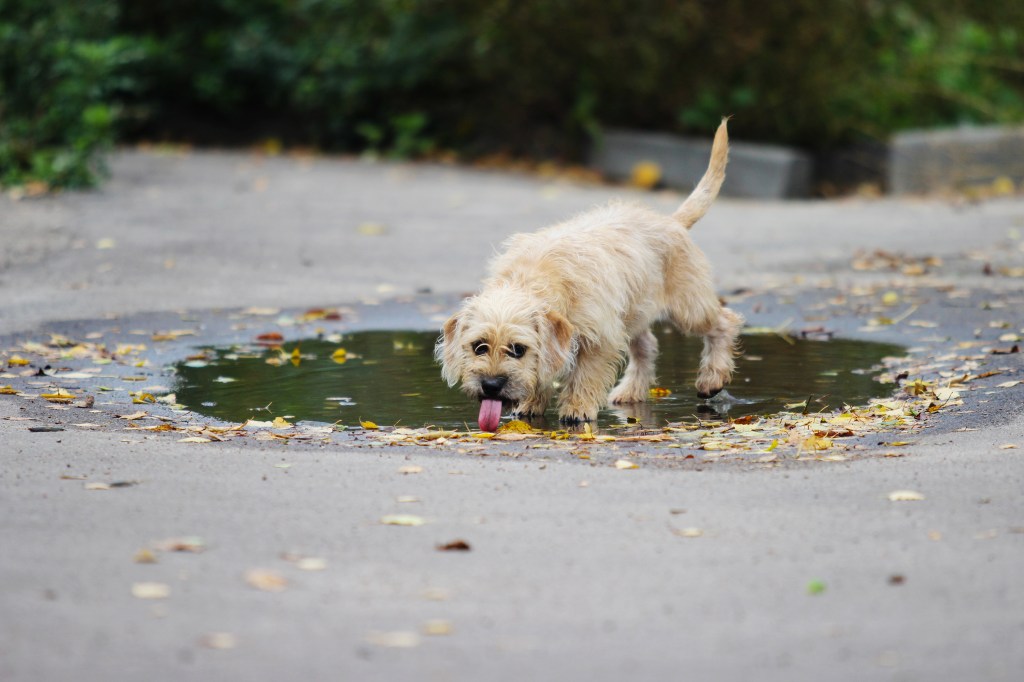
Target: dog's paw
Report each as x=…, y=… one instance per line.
x=571, y=416
x=709, y=383
x=628, y=395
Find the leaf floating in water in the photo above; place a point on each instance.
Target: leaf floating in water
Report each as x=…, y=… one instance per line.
x=340, y=356
x=658, y=392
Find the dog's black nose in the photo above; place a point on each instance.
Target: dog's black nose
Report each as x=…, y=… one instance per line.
x=492, y=386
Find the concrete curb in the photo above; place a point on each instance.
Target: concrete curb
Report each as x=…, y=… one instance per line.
x=756, y=171
x=956, y=159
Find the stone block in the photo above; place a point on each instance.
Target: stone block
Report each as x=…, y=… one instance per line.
x=755, y=170
x=956, y=159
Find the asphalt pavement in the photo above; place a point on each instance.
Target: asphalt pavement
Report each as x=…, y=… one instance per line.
x=268, y=559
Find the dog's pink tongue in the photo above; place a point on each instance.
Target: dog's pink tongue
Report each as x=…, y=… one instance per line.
x=490, y=414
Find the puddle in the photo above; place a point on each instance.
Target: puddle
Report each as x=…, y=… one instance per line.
x=390, y=377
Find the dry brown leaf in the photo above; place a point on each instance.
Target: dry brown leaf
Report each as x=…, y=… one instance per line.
x=268, y=581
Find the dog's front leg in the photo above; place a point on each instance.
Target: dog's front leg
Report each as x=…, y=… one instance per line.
x=586, y=388
x=534, y=406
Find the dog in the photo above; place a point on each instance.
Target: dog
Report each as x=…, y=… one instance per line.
x=565, y=306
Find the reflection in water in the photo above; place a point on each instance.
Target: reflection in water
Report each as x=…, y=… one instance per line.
x=390, y=377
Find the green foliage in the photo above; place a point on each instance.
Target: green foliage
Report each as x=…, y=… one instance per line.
x=540, y=77
x=59, y=67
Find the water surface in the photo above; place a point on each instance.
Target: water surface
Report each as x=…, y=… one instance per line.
x=389, y=377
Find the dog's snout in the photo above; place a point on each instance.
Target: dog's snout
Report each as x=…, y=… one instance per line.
x=492, y=386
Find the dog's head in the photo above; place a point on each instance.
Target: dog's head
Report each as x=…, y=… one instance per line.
x=503, y=344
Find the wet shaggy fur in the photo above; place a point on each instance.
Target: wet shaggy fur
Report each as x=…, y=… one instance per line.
x=564, y=306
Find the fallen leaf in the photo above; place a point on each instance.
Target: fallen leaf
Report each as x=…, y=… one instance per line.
x=815, y=587
x=645, y=174
x=402, y=520
x=1008, y=446
x=151, y=590
x=96, y=485
x=311, y=563
x=515, y=426
x=268, y=581
x=194, y=439
x=144, y=556
x=454, y=546
x=218, y=640
x=626, y=464
x=368, y=425
x=189, y=543
x=1007, y=384
x=688, y=532
x=905, y=496
x=394, y=640
x=437, y=627
x=411, y=469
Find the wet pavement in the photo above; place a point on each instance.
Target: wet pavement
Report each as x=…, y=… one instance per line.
x=780, y=565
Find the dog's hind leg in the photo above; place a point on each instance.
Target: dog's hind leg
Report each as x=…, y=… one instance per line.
x=639, y=375
x=717, y=360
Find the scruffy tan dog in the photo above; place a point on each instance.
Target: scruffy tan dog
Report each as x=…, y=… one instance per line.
x=566, y=304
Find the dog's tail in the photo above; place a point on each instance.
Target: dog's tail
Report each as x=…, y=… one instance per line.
x=699, y=201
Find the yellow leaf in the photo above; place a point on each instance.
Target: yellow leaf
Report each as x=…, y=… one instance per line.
x=7, y=390
x=515, y=426
x=645, y=174
x=339, y=356
x=282, y=423
x=369, y=426
x=890, y=298
x=60, y=396
x=16, y=361
x=658, y=392
x=296, y=356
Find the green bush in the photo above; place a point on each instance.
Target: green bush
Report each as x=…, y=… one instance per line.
x=59, y=70
x=537, y=77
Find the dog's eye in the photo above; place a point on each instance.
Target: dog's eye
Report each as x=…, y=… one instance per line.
x=480, y=348
x=516, y=350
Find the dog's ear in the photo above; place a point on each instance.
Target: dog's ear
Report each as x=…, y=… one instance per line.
x=448, y=330
x=561, y=331
x=559, y=344
x=445, y=351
